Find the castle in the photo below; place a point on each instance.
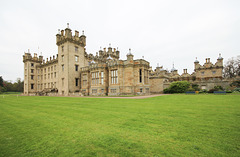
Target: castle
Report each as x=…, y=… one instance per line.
x=75, y=72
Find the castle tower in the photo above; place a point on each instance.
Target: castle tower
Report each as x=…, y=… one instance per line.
x=31, y=64
x=71, y=59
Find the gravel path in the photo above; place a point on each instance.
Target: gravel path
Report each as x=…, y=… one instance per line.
x=134, y=97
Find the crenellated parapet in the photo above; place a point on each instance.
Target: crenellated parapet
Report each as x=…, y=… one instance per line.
x=34, y=58
x=51, y=60
x=66, y=35
x=103, y=56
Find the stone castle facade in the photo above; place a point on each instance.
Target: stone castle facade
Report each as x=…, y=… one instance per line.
x=75, y=72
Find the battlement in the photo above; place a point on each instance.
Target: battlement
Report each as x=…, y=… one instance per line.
x=102, y=56
x=34, y=58
x=51, y=60
x=66, y=35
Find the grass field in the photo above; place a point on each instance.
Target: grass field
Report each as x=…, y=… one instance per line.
x=171, y=125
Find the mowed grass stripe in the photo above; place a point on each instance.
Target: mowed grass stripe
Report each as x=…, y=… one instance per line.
x=205, y=125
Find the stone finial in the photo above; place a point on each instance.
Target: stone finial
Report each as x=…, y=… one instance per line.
x=82, y=32
x=67, y=25
x=109, y=44
x=59, y=31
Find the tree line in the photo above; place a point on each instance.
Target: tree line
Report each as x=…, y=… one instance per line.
x=8, y=86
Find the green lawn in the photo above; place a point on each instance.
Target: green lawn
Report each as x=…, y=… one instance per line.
x=170, y=125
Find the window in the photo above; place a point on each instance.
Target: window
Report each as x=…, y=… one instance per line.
x=55, y=84
x=44, y=85
x=113, y=91
x=45, y=76
x=38, y=71
x=213, y=72
x=141, y=90
x=202, y=73
x=62, y=67
x=32, y=77
x=76, y=58
x=76, y=49
x=55, y=67
x=48, y=85
x=102, y=77
x=76, y=81
x=48, y=76
x=62, y=82
x=94, y=90
x=51, y=68
x=84, y=79
x=147, y=90
x=76, y=67
x=55, y=74
x=32, y=86
x=140, y=75
x=95, y=78
x=62, y=48
x=45, y=70
x=32, y=65
x=38, y=77
x=114, y=76
x=62, y=58
x=32, y=70
x=48, y=69
x=51, y=75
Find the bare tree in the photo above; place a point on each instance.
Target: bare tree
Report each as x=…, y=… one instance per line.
x=232, y=67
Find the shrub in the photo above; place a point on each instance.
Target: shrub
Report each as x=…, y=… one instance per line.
x=235, y=84
x=212, y=90
x=166, y=91
x=218, y=88
x=203, y=91
x=191, y=89
x=177, y=87
x=196, y=87
x=228, y=91
x=237, y=89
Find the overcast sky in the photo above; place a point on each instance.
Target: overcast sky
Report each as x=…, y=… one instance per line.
x=163, y=31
